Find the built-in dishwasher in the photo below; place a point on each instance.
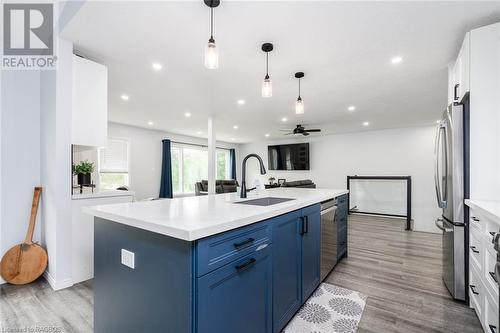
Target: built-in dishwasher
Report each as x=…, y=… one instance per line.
x=328, y=237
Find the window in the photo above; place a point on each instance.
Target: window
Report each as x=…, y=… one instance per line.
x=190, y=165
x=113, y=164
x=223, y=164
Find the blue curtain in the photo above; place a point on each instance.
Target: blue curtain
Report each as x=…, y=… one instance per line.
x=166, y=171
x=232, y=158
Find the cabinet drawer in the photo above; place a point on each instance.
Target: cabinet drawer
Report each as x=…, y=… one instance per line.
x=476, y=251
x=490, y=315
x=236, y=297
x=216, y=251
x=475, y=222
x=476, y=293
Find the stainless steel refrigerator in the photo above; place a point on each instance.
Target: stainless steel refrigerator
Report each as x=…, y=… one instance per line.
x=451, y=179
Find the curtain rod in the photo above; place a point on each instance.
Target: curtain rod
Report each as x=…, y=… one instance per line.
x=196, y=144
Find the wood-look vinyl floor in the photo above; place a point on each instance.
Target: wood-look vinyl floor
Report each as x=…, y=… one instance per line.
x=400, y=272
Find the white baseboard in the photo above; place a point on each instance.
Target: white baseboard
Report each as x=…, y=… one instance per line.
x=57, y=285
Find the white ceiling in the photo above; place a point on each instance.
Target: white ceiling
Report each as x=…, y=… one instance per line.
x=344, y=48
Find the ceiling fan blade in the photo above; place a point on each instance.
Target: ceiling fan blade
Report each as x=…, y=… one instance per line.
x=305, y=133
x=289, y=133
x=313, y=130
x=285, y=130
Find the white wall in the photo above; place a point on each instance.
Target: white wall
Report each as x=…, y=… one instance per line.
x=20, y=154
x=406, y=151
x=146, y=154
x=55, y=166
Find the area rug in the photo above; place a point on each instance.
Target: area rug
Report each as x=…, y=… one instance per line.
x=330, y=309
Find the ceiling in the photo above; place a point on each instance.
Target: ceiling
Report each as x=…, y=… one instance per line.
x=344, y=48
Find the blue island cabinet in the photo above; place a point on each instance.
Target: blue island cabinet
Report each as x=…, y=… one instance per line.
x=296, y=262
x=251, y=279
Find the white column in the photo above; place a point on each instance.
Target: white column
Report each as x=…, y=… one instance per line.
x=211, y=155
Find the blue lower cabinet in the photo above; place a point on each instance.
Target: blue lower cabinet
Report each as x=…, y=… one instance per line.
x=296, y=262
x=342, y=232
x=287, y=276
x=236, y=297
x=311, y=250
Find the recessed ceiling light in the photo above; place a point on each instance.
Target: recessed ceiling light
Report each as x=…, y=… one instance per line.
x=351, y=108
x=241, y=102
x=199, y=132
x=366, y=123
x=284, y=119
x=267, y=135
x=438, y=121
x=125, y=97
x=187, y=114
x=396, y=60
x=150, y=123
x=235, y=126
x=157, y=66
x=232, y=139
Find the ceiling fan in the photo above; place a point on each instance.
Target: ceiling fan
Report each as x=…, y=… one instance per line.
x=301, y=130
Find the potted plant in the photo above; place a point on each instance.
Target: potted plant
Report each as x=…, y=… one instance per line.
x=84, y=172
x=271, y=180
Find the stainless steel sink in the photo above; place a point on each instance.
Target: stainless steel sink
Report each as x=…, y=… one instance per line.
x=264, y=201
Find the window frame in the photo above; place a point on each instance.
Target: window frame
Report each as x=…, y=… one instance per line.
x=181, y=147
x=99, y=166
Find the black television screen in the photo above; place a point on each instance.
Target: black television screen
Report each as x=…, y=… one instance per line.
x=289, y=157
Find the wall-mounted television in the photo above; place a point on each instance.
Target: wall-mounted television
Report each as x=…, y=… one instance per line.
x=289, y=157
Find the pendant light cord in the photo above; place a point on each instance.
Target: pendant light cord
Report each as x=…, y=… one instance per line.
x=267, y=64
x=211, y=23
x=299, y=88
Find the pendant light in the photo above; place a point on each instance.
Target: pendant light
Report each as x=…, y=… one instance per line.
x=267, y=86
x=211, y=52
x=299, y=104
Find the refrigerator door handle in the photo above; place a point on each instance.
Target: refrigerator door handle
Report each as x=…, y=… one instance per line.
x=441, y=203
x=444, y=198
x=441, y=226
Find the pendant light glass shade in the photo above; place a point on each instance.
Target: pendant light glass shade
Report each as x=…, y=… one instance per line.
x=211, y=55
x=267, y=87
x=299, y=106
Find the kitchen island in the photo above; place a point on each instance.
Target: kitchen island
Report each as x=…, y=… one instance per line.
x=208, y=263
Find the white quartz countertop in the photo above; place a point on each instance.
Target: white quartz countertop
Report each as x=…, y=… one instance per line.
x=490, y=209
x=103, y=194
x=192, y=218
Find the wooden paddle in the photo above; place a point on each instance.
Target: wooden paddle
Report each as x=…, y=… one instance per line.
x=25, y=262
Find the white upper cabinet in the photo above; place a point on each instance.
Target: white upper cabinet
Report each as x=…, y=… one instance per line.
x=460, y=75
x=90, y=103
x=485, y=113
